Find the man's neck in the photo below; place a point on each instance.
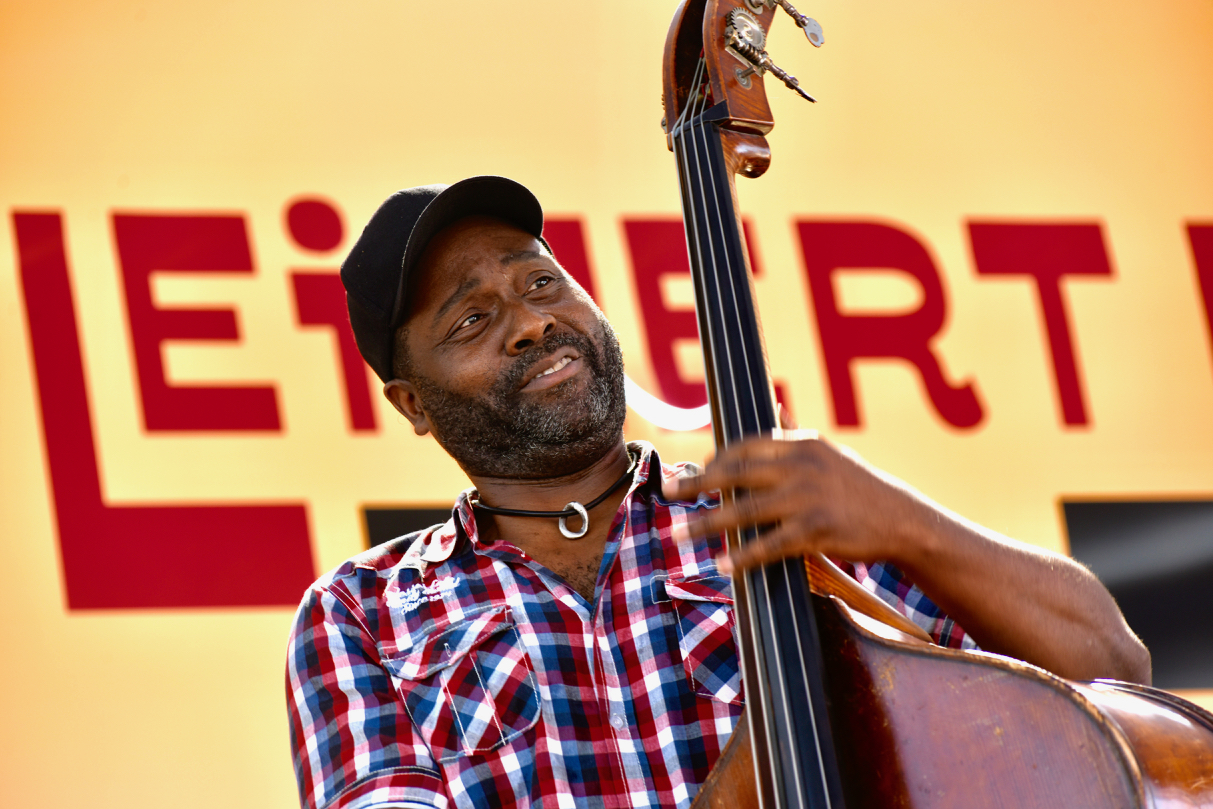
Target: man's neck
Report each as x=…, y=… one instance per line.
x=540, y=537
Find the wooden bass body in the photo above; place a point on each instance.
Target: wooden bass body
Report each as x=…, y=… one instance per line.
x=920, y=726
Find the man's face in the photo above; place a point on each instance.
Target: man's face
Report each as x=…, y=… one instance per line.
x=513, y=368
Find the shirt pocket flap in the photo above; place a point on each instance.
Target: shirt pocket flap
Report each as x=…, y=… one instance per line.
x=717, y=589
x=468, y=686
x=704, y=618
x=447, y=646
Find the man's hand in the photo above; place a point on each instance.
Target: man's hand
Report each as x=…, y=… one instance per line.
x=820, y=497
x=1012, y=598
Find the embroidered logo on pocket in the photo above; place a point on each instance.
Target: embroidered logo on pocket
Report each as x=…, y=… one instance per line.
x=419, y=594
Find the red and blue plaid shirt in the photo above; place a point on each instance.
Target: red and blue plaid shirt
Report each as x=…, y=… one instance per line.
x=437, y=670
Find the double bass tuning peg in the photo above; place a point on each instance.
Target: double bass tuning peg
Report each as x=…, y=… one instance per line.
x=746, y=40
x=810, y=26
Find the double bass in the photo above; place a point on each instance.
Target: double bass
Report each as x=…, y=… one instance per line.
x=848, y=703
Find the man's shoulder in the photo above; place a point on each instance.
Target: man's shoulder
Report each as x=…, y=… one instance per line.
x=377, y=588
x=389, y=560
x=387, y=555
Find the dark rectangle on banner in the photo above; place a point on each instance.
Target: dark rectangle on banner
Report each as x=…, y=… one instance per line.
x=1156, y=558
x=383, y=524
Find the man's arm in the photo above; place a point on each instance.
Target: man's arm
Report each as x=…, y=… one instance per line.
x=352, y=742
x=1012, y=598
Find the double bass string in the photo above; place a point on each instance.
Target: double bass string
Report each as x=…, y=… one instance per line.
x=749, y=400
x=704, y=131
x=736, y=276
x=696, y=101
x=719, y=243
x=732, y=355
x=693, y=199
x=730, y=343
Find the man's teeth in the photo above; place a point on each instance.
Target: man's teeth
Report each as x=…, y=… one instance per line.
x=557, y=366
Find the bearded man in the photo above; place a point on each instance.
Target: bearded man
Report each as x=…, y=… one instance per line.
x=514, y=656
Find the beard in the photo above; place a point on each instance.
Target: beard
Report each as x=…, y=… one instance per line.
x=506, y=433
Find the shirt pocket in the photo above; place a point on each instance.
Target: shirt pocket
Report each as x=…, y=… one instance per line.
x=468, y=687
x=706, y=636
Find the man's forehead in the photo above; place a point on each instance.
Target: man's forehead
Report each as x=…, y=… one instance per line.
x=458, y=257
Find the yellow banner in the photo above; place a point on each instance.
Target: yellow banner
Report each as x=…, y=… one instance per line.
x=984, y=260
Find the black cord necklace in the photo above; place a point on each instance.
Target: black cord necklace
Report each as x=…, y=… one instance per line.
x=573, y=509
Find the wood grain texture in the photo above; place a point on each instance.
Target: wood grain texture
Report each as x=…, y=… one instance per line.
x=745, y=153
x=1172, y=740
x=730, y=785
x=748, y=109
x=920, y=726
x=698, y=27
x=826, y=579
x=683, y=43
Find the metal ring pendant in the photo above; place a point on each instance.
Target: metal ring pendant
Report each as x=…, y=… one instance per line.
x=585, y=521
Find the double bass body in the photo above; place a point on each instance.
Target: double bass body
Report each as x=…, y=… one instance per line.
x=920, y=726
x=909, y=724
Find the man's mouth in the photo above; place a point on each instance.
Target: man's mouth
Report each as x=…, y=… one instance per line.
x=559, y=364
x=565, y=364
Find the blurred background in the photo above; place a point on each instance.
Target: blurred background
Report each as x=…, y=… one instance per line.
x=187, y=440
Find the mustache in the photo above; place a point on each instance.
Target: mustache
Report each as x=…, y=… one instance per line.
x=515, y=376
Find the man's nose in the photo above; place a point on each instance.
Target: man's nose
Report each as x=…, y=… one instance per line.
x=528, y=326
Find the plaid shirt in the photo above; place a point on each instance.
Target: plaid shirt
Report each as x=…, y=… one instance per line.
x=437, y=670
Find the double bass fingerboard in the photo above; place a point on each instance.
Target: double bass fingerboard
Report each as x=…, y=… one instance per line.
x=777, y=629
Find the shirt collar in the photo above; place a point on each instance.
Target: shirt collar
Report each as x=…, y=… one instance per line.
x=463, y=517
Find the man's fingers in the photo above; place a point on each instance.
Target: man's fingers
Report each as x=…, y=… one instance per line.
x=684, y=488
x=785, y=419
x=773, y=546
x=753, y=464
x=741, y=512
x=757, y=463
x=743, y=473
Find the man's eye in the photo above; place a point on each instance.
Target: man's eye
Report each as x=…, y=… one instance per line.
x=542, y=281
x=468, y=321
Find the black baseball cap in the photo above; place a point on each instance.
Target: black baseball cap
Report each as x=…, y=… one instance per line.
x=377, y=272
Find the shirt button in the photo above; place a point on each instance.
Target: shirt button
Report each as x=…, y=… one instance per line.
x=617, y=721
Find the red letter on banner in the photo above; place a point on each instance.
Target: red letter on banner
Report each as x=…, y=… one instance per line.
x=320, y=301
x=566, y=237
x=658, y=248
x=123, y=557
x=1201, y=239
x=1046, y=252
x=147, y=244
x=857, y=246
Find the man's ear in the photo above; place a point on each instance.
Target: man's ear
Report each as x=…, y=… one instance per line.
x=403, y=396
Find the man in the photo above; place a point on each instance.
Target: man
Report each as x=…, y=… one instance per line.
x=528, y=652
